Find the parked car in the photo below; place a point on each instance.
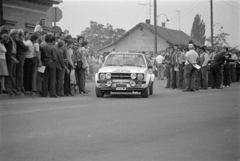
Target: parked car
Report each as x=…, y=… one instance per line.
x=125, y=72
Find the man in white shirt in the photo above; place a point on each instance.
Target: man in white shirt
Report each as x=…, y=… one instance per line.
x=233, y=66
x=204, y=59
x=189, y=71
x=159, y=59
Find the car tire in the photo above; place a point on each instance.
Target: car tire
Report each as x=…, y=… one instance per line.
x=151, y=89
x=145, y=92
x=98, y=92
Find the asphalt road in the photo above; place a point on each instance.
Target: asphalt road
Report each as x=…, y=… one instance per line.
x=169, y=126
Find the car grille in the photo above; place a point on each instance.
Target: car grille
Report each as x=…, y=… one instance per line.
x=120, y=75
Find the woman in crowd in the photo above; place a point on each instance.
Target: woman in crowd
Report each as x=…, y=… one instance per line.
x=40, y=24
x=3, y=65
x=31, y=65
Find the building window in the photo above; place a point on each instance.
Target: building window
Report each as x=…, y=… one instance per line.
x=10, y=24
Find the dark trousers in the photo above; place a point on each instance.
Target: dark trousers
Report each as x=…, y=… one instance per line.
x=20, y=73
x=169, y=76
x=233, y=72
x=40, y=77
x=204, y=77
x=49, y=82
x=180, y=76
x=237, y=72
x=80, y=73
x=210, y=77
x=226, y=75
x=30, y=74
x=189, y=77
x=60, y=81
x=174, y=78
x=216, y=77
x=10, y=82
x=67, y=85
x=198, y=78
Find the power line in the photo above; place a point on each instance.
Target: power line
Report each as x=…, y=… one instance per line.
x=184, y=10
x=227, y=9
x=183, y=15
x=231, y=5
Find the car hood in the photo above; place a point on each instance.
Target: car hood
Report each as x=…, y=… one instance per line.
x=123, y=69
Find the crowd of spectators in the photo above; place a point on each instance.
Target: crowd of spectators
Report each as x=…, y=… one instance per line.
x=44, y=63
x=194, y=68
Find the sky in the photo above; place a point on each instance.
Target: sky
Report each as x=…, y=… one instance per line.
x=125, y=14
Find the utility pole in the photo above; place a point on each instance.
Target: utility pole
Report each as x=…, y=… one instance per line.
x=1, y=14
x=155, y=26
x=150, y=10
x=179, y=18
x=211, y=8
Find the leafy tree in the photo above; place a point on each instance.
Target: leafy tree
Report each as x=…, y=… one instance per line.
x=219, y=40
x=99, y=35
x=198, y=29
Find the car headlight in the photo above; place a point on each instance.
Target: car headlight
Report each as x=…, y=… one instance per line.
x=133, y=76
x=102, y=76
x=140, y=76
x=109, y=83
x=108, y=75
x=133, y=83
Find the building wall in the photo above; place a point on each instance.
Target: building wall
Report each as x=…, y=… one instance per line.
x=23, y=12
x=138, y=40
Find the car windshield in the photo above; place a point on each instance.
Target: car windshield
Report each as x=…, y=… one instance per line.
x=125, y=60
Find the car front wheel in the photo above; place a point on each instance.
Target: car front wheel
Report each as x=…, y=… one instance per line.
x=151, y=89
x=145, y=92
x=98, y=92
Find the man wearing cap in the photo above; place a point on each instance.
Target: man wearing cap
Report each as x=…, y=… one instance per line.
x=189, y=70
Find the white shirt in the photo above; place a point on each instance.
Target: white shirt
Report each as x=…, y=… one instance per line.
x=38, y=28
x=2, y=51
x=159, y=59
x=36, y=49
x=206, y=59
x=30, y=52
x=191, y=56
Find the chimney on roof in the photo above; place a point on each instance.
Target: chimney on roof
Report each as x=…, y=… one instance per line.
x=163, y=24
x=147, y=21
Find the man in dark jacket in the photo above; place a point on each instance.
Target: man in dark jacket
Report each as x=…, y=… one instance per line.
x=218, y=61
x=49, y=59
x=21, y=56
x=61, y=53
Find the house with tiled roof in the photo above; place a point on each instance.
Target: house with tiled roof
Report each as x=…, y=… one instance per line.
x=141, y=38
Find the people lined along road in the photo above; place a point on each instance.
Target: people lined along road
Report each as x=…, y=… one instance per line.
x=44, y=64
x=57, y=66
x=194, y=68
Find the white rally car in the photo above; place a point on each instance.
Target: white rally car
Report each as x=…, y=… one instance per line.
x=125, y=72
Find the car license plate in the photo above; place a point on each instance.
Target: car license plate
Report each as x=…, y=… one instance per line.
x=121, y=88
x=121, y=85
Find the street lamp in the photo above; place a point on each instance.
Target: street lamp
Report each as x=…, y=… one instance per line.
x=219, y=25
x=162, y=14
